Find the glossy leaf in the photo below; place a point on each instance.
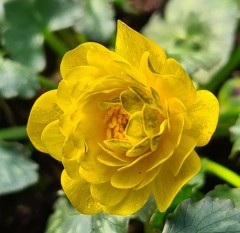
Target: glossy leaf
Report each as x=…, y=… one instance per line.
x=22, y=38
x=66, y=219
x=206, y=215
x=16, y=80
x=17, y=171
x=193, y=36
x=226, y=192
x=96, y=19
x=27, y=23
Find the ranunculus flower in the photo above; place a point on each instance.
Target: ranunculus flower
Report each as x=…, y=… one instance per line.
x=124, y=124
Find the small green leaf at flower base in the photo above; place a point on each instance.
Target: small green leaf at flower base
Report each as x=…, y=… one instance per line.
x=65, y=219
x=206, y=215
x=17, y=171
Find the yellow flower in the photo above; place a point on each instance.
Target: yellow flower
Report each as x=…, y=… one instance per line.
x=124, y=124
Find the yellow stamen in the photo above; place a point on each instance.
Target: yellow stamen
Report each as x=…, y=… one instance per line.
x=116, y=120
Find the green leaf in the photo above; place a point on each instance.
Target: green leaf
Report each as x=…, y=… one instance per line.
x=96, y=19
x=198, y=40
x=57, y=14
x=66, y=219
x=229, y=100
x=226, y=192
x=28, y=22
x=16, y=80
x=206, y=215
x=22, y=38
x=17, y=171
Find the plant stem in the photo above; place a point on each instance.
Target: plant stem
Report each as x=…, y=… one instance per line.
x=55, y=43
x=224, y=72
x=45, y=82
x=222, y=172
x=13, y=133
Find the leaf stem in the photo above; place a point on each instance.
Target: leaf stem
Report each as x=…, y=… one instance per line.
x=13, y=133
x=54, y=42
x=222, y=172
x=45, y=82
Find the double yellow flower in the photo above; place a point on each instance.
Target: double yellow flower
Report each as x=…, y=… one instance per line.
x=124, y=124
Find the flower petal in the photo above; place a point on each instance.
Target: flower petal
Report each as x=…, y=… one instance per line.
x=173, y=81
x=131, y=45
x=166, y=185
x=134, y=201
x=53, y=140
x=204, y=116
x=78, y=192
x=44, y=111
x=107, y=195
x=185, y=147
x=77, y=57
x=93, y=171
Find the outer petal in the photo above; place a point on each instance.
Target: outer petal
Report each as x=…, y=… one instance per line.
x=131, y=45
x=173, y=81
x=134, y=201
x=204, y=116
x=44, y=111
x=185, y=147
x=166, y=185
x=107, y=195
x=77, y=57
x=78, y=192
x=53, y=140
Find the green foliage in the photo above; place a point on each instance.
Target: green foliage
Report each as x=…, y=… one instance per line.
x=66, y=219
x=96, y=19
x=28, y=21
x=229, y=100
x=235, y=138
x=17, y=171
x=226, y=192
x=206, y=215
x=16, y=80
x=201, y=41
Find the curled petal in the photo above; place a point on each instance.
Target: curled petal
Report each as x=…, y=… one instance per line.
x=204, y=116
x=134, y=200
x=107, y=195
x=129, y=40
x=166, y=185
x=77, y=57
x=53, y=140
x=78, y=192
x=44, y=111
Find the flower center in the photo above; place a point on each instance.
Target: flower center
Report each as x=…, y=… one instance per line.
x=116, y=119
